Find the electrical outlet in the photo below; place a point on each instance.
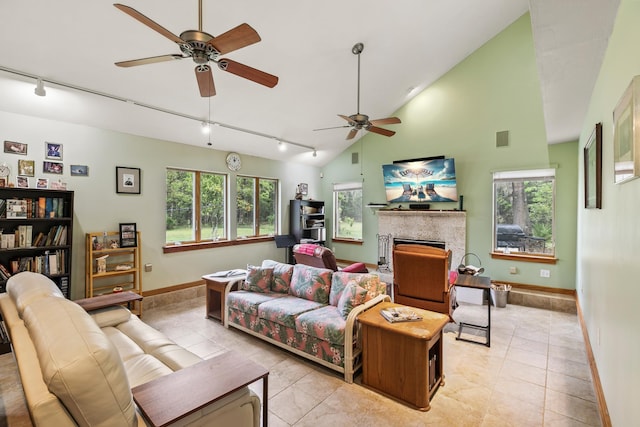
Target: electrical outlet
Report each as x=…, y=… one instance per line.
x=545, y=273
x=513, y=270
x=148, y=267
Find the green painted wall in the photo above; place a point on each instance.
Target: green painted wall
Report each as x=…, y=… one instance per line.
x=98, y=207
x=494, y=89
x=609, y=238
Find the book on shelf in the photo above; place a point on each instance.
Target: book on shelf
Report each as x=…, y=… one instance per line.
x=400, y=314
x=4, y=273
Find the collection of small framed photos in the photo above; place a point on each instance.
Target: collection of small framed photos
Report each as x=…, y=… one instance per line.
x=51, y=165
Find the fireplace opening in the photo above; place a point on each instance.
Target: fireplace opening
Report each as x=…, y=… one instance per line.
x=433, y=243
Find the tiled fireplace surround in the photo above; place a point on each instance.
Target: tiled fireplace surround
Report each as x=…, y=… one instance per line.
x=449, y=227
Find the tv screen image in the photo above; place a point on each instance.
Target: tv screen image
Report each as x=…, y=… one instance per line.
x=421, y=181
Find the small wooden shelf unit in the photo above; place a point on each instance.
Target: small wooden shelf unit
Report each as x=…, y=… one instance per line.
x=128, y=277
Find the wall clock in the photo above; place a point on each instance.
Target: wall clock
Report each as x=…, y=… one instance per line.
x=234, y=162
x=4, y=170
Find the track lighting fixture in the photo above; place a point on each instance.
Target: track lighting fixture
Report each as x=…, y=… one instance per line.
x=315, y=153
x=39, y=90
x=281, y=145
x=206, y=128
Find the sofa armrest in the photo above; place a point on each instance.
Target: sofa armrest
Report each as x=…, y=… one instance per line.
x=349, y=368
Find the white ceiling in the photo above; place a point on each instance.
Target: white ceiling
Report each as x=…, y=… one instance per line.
x=408, y=44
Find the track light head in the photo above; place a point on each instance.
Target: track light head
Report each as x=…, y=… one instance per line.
x=281, y=145
x=39, y=90
x=315, y=153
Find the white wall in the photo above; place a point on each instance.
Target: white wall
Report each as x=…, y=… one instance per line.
x=608, y=287
x=98, y=207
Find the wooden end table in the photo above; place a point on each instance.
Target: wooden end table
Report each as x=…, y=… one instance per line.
x=476, y=282
x=216, y=294
x=172, y=397
x=403, y=359
x=108, y=300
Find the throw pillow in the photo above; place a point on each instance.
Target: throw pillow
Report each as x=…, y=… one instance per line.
x=258, y=279
x=352, y=296
x=311, y=283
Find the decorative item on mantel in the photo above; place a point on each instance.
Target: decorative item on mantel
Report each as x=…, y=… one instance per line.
x=470, y=269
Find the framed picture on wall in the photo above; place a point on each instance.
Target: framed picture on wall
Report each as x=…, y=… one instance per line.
x=127, y=180
x=13, y=147
x=52, y=151
x=128, y=235
x=626, y=134
x=593, y=169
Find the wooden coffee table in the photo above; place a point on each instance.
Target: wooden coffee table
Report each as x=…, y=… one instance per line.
x=172, y=397
x=403, y=359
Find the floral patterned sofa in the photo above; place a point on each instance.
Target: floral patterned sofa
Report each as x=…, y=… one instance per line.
x=307, y=310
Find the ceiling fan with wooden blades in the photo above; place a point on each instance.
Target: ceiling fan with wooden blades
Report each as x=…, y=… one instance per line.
x=361, y=121
x=202, y=48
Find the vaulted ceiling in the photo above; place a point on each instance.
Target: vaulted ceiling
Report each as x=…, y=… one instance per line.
x=73, y=44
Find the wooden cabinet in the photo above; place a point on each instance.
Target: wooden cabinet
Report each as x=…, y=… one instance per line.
x=37, y=234
x=403, y=359
x=110, y=268
x=307, y=221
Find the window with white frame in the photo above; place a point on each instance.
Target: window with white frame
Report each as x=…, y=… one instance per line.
x=524, y=212
x=347, y=212
x=195, y=206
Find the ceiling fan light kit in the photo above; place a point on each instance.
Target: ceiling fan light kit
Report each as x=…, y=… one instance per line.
x=203, y=48
x=360, y=121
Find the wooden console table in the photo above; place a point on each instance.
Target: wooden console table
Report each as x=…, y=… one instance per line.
x=403, y=359
x=172, y=397
x=216, y=293
x=108, y=300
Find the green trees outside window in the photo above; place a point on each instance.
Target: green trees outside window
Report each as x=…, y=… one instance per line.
x=195, y=206
x=524, y=212
x=257, y=206
x=347, y=222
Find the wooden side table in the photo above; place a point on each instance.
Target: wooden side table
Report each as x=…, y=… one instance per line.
x=172, y=397
x=108, y=300
x=476, y=282
x=216, y=294
x=404, y=359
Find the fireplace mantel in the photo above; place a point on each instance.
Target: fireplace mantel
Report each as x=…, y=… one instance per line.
x=447, y=226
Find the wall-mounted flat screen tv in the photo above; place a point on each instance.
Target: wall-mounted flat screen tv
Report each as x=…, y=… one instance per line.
x=421, y=181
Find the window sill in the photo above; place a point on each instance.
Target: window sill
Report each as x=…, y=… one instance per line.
x=168, y=249
x=542, y=259
x=347, y=241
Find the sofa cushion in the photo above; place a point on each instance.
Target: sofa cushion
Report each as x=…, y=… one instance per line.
x=284, y=310
x=79, y=363
x=368, y=281
x=248, y=302
x=352, y=296
x=281, y=280
x=27, y=287
x=325, y=323
x=258, y=279
x=311, y=283
x=110, y=316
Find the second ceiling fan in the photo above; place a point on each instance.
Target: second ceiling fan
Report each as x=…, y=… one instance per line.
x=202, y=48
x=361, y=121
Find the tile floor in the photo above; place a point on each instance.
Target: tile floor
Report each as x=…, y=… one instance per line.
x=534, y=374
